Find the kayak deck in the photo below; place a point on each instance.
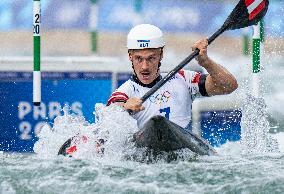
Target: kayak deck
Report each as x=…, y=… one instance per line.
x=160, y=134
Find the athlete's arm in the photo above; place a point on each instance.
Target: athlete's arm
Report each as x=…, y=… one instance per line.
x=133, y=104
x=220, y=80
x=121, y=97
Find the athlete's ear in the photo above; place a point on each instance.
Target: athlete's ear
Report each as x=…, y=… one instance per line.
x=130, y=55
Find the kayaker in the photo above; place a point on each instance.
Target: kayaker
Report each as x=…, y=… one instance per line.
x=173, y=100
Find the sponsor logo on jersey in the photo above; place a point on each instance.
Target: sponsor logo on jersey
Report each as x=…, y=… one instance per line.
x=160, y=98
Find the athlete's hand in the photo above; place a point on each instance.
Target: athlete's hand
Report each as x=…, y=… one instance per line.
x=134, y=104
x=202, y=58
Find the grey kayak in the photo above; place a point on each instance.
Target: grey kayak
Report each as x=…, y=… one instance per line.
x=160, y=134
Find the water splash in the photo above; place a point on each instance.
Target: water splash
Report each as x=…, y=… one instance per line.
x=64, y=127
x=255, y=135
x=117, y=127
x=114, y=125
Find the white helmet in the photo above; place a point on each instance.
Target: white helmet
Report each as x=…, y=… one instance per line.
x=145, y=36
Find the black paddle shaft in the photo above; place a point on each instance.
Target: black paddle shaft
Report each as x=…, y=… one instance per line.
x=180, y=66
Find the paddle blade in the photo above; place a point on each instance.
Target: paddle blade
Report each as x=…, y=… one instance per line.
x=246, y=13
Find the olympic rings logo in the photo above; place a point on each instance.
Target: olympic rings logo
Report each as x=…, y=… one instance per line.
x=160, y=98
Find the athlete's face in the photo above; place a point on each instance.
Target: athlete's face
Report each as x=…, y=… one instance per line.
x=146, y=63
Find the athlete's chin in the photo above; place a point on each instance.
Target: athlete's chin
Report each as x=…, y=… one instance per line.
x=146, y=79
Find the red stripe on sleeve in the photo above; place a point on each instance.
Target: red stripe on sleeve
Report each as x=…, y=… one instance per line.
x=115, y=99
x=196, y=78
x=181, y=72
x=119, y=93
x=257, y=10
x=117, y=96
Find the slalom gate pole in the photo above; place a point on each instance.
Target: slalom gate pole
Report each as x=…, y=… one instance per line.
x=93, y=25
x=258, y=38
x=36, y=35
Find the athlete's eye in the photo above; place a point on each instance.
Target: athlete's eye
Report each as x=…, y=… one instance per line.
x=138, y=59
x=151, y=59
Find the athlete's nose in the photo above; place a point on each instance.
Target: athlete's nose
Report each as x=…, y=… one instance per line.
x=144, y=64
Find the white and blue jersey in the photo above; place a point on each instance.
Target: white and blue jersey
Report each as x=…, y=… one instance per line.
x=173, y=100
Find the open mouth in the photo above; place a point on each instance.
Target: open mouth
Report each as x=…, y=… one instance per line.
x=145, y=75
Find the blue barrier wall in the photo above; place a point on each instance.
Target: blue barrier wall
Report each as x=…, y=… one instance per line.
x=20, y=121
x=122, y=77
x=218, y=127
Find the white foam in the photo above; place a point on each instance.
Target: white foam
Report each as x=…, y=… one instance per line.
x=255, y=135
x=113, y=124
x=237, y=148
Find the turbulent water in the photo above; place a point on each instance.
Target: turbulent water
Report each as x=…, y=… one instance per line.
x=253, y=165
x=219, y=174
x=233, y=170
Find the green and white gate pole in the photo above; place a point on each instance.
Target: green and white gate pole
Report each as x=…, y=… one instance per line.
x=258, y=38
x=36, y=72
x=93, y=26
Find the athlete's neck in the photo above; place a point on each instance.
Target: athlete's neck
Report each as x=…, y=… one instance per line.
x=150, y=85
